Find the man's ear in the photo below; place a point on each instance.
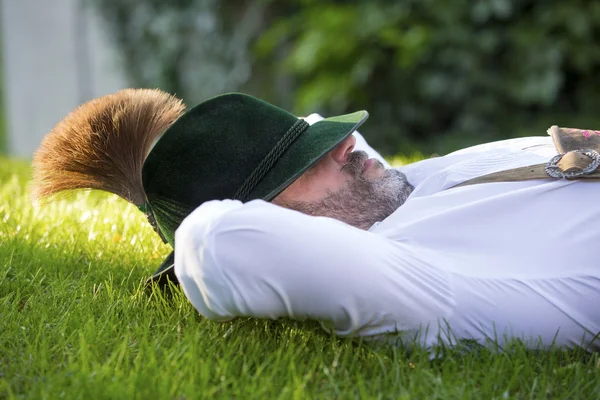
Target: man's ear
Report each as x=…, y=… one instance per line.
x=341, y=151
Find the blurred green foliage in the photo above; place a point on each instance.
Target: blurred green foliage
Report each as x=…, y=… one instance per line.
x=435, y=75
x=192, y=48
x=441, y=74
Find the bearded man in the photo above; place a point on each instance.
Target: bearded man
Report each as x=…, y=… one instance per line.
x=272, y=216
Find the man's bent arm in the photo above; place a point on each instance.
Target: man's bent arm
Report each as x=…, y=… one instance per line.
x=261, y=260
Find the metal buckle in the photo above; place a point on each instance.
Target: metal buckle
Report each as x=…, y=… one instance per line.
x=554, y=171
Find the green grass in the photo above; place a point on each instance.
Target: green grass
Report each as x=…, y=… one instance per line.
x=75, y=323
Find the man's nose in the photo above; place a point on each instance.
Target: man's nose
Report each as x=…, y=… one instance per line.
x=341, y=151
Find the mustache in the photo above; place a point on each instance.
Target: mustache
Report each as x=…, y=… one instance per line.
x=355, y=162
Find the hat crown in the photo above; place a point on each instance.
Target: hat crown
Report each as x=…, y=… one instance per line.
x=233, y=146
x=208, y=153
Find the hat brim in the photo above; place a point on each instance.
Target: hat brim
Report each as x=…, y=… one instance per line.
x=318, y=140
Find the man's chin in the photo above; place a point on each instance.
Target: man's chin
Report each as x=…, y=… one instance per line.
x=363, y=201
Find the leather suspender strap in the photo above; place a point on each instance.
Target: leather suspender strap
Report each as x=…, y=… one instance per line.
x=537, y=171
x=578, y=158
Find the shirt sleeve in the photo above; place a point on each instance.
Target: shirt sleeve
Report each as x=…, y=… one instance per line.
x=260, y=260
x=361, y=142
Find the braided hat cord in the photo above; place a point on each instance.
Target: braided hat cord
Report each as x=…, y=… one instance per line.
x=270, y=159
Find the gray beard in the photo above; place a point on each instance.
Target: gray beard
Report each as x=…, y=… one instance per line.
x=362, y=202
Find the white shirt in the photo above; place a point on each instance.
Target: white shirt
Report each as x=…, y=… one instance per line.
x=487, y=261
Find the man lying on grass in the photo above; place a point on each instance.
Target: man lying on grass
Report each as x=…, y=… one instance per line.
x=276, y=217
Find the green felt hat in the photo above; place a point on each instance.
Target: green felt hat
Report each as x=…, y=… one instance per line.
x=233, y=146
